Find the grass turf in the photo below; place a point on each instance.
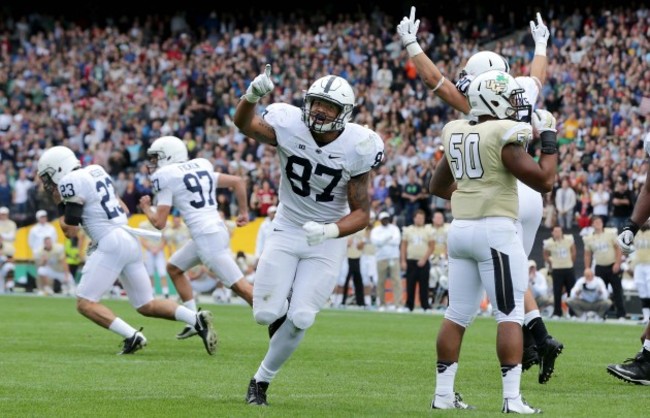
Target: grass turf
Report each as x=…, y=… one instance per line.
x=55, y=363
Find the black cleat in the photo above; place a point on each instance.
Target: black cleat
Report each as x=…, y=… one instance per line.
x=187, y=332
x=530, y=358
x=205, y=330
x=256, y=394
x=634, y=370
x=276, y=325
x=547, y=355
x=136, y=342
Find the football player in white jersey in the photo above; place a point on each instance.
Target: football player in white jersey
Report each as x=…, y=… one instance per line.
x=540, y=346
x=483, y=161
x=323, y=196
x=190, y=187
x=87, y=199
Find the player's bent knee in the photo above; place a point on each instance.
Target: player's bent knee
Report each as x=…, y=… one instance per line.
x=303, y=320
x=265, y=317
x=172, y=270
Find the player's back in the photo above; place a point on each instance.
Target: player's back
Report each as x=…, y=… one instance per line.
x=93, y=187
x=473, y=151
x=315, y=176
x=192, y=186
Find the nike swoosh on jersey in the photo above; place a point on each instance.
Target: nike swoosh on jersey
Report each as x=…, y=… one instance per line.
x=331, y=157
x=277, y=230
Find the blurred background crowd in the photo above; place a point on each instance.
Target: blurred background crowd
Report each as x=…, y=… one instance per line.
x=107, y=89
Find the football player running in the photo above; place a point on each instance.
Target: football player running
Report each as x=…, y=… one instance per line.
x=540, y=346
x=86, y=198
x=323, y=196
x=190, y=187
x=483, y=161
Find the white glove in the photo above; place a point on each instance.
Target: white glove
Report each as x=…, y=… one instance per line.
x=407, y=30
x=317, y=233
x=626, y=241
x=540, y=35
x=260, y=86
x=543, y=120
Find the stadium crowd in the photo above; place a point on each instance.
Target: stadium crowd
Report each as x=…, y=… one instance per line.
x=107, y=91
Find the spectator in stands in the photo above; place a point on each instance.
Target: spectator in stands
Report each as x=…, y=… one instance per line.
x=21, y=189
x=600, y=203
x=5, y=191
x=622, y=204
x=386, y=238
x=41, y=230
x=589, y=295
x=565, y=202
x=8, y=227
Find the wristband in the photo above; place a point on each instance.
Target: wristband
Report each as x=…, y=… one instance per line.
x=413, y=48
x=61, y=208
x=630, y=225
x=540, y=49
x=331, y=231
x=549, y=142
x=254, y=101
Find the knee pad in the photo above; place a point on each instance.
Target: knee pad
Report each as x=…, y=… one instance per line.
x=303, y=320
x=265, y=317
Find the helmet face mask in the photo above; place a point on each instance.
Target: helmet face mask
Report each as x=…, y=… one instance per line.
x=497, y=94
x=164, y=151
x=54, y=164
x=332, y=90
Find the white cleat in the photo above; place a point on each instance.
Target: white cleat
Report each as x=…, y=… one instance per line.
x=451, y=401
x=518, y=406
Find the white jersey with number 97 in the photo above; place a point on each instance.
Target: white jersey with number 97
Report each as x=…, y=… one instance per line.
x=92, y=187
x=315, y=176
x=190, y=187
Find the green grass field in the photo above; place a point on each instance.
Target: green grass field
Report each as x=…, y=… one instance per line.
x=55, y=363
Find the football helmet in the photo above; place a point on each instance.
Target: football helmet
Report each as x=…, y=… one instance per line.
x=496, y=93
x=166, y=150
x=484, y=61
x=333, y=89
x=55, y=163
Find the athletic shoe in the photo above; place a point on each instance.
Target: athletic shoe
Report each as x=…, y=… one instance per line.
x=547, y=355
x=530, y=358
x=634, y=370
x=452, y=401
x=276, y=325
x=256, y=394
x=205, y=330
x=134, y=343
x=518, y=406
x=187, y=332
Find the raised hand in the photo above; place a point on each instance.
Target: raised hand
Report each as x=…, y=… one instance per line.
x=540, y=35
x=260, y=86
x=407, y=30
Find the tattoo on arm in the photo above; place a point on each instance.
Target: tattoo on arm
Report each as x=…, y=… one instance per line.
x=358, y=197
x=263, y=132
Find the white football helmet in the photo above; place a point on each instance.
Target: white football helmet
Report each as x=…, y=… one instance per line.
x=333, y=89
x=496, y=93
x=55, y=163
x=166, y=150
x=484, y=61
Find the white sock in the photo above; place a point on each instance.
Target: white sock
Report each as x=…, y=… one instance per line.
x=122, y=328
x=646, y=344
x=190, y=304
x=511, y=381
x=646, y=313
x=338, y=299
x=367, y=300
x=186, y=315
x=529, y=316
x=165, y=290
x=445, y=376
x=284, y=342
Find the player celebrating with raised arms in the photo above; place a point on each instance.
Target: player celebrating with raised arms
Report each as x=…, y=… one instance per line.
x=325, y=162
x=86, y=197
